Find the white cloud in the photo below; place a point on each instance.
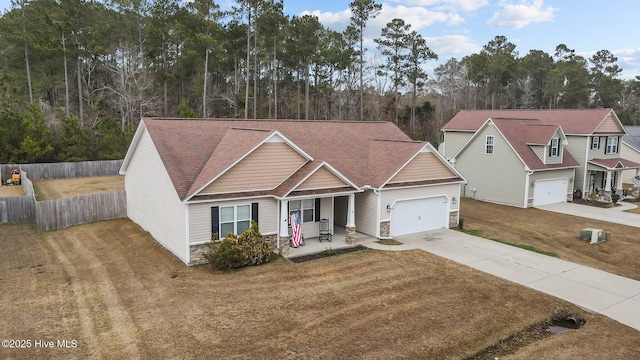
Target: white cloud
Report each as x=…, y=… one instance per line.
x=522, y=14
x=451, y=5
x=452, y=46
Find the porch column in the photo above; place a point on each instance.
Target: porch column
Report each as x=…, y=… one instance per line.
x=350, y=227
x=607, y=187
x=284, y=228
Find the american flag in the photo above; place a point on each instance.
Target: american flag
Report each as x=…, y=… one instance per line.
x=296, y=232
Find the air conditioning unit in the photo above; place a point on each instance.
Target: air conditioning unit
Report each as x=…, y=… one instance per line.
x=594, y=235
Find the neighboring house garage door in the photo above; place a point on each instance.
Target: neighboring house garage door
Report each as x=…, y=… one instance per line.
x=549, y=192
x=412, y=216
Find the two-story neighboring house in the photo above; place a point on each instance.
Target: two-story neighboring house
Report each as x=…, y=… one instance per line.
x=631, y=150
x=530, y=158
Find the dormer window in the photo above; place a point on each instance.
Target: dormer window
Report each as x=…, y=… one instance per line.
x=554, y=149
x=612, y=145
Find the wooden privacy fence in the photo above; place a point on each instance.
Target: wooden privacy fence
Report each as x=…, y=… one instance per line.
x=17, y=209
x=62, y=213
x=66, y=170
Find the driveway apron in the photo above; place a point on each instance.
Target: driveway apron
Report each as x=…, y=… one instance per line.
x=594, y=290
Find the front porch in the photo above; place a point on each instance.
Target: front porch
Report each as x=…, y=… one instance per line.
x=339, y=241
x=604, y=177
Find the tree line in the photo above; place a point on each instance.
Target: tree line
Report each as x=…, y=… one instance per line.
x=76, y=76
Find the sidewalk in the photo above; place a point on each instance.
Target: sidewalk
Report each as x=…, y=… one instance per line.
x=594, y=290
x=614, y=215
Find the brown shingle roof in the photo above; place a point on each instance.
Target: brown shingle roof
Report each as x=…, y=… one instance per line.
x=614, y=163
x=582, y=121
x=194, y=151
x=521, y=134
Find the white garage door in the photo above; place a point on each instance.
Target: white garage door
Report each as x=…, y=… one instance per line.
x=549, y=192
x=412, y=216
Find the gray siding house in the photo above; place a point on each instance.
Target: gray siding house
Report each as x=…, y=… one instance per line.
x=530, y=158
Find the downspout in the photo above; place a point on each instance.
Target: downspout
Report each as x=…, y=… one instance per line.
x=279, y=225
x=526, y=189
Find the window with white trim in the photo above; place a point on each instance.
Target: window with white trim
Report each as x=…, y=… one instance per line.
x=307, y=207
x=554, y=149
x=489, y=144
x=595, y=142
x=612, y=145
x=234, y=219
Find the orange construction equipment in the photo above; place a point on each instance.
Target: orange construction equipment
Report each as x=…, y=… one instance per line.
x=15, y=177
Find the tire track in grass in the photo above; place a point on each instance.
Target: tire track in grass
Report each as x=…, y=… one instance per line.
x=121, y=321
x=83, y=310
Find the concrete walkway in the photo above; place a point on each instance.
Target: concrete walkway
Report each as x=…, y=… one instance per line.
x=594, y=290
x=614, y=215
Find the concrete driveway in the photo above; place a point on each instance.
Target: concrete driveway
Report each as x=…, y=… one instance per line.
x=594, y=290
x=614, y=215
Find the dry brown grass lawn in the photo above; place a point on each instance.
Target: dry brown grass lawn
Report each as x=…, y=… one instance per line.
x=62, y=188
x=557, y=233
x=112, y=288
x=13, y=190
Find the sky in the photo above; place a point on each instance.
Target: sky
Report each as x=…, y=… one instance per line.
x=456, y=28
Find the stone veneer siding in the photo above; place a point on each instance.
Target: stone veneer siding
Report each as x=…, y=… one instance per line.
x=196, y=253
x=351, y=234
x=385, y=229
x=453, y=219
x=284, y=246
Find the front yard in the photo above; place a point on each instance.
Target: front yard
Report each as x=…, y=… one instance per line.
x=119, y=294
x=558, y=234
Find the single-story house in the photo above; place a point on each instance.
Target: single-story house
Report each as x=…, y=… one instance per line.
x=190, y=179
x=530, y=158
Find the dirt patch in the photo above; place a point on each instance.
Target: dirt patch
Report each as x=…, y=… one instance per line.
x=390, y=242
x=526, y=337
x=62, y=188
x=557, y=233
x=12, y=190
x=119, y=294
x=327, y=253
x=598, y=204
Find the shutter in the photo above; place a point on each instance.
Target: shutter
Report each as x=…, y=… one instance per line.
x=599, y=142
x=550, y=148
x=317, y=209
x=215, y=220
x=254, y=212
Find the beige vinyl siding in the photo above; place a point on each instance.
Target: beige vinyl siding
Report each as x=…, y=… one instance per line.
x=152, y=201
x=577, y=147
x=629, y=153
x=552, y=175
x=609, y=126
x=200, y=217
x=321, y=179
x=424, y=166
x=312, y=229
x=390, y=196
x=263, y=169
x=539, y=150
x=365, y=212
x=600, y=153
x=499, y=177
x=454, y=141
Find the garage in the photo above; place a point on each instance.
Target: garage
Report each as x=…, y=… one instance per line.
x=549, y=192
x=417, y=215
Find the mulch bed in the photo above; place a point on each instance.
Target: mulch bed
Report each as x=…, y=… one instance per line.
x=327, y=253
x=599, y=204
